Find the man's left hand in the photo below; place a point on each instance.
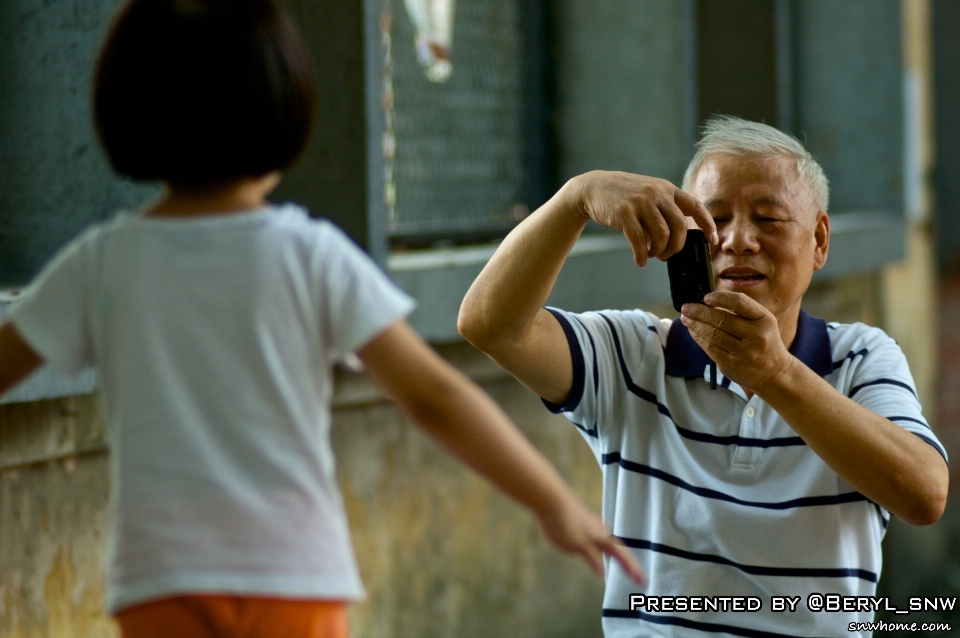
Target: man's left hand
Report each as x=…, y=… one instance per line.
x=740, y=335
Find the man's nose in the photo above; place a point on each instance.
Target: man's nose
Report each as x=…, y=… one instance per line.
x=739, y=236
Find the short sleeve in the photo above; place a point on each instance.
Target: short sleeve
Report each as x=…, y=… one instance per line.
x=52, y=315
x=881, y=382
x=610, y=350
x=359, y=300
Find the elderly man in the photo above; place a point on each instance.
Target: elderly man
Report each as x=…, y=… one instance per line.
x=778, y=483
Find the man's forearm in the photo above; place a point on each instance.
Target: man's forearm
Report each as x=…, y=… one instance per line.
x=502, y=313
x=881, y=460
x=514, y=285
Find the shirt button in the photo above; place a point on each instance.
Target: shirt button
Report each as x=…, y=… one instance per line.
x=751, y=412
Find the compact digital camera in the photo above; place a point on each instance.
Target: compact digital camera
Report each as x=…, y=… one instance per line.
x=691, y=270
x=691, y=278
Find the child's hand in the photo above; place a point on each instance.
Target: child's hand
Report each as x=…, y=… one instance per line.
x=575, y=529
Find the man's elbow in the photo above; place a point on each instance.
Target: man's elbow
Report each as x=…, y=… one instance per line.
x=923, y=515
x=472, y=328
x=466, y=326
x=927, y=507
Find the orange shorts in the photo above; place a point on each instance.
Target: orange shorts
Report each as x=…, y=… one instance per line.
x=216, y=616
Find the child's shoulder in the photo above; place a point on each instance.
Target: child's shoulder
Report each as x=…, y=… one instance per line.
x=297, y=220
x=317, y=235
x=285, y=218
x=285, y=227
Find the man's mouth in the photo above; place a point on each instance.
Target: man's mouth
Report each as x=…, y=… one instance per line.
x=737, y=277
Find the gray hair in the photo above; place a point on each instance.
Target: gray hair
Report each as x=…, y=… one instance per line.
x=726, y=135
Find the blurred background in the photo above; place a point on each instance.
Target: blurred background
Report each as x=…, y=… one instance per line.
x=441, y=125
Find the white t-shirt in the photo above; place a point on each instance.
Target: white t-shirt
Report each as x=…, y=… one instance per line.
x=715, y=493
x=214, y=340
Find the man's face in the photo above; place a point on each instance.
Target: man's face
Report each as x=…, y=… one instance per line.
x=771, y=236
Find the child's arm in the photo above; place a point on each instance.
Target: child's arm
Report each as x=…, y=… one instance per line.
x=464, y=420
x=17, y=359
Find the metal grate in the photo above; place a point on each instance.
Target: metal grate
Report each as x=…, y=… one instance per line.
x=458, y=168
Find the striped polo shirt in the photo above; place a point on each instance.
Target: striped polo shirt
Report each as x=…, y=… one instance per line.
x=715, y=493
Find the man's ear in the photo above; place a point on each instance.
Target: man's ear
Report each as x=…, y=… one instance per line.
x=821, y=235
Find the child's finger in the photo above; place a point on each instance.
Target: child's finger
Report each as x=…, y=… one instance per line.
x=612, y=546
x=593, y=554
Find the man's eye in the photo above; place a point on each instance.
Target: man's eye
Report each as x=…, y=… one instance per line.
x=720, y=220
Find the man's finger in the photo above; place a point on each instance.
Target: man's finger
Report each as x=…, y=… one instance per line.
x=678, y=227
x=633, y=231
x=742, y=305
x=658, y=232
x=692, y=207
x=719, y=318
x=710, y=337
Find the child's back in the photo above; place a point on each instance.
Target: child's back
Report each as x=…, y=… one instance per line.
x=214, y=337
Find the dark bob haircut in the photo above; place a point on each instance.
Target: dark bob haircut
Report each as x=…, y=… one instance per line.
x=197, y=92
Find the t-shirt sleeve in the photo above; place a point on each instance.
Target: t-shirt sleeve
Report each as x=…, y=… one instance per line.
x=52, y=315
x=881, y=382
x=606, y=348
x=360, y=301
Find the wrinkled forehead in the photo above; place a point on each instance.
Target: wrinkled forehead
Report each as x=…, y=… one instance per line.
x=730, y=174
x=744, y=178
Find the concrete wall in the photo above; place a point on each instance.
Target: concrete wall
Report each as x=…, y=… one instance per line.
x=55, y=179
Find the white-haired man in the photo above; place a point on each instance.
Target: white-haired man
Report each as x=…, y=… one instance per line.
x=780, y=482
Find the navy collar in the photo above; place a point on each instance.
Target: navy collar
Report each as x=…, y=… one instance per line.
x=811, y=345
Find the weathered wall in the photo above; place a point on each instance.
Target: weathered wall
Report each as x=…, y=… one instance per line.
x=55, y=179
x=53, y=525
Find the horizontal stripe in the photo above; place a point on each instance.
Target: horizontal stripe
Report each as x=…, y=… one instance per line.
x=807, y=501
x=850, y=355
x=757, y=570
x=703, y=437
x=910, y=419
x=692, y=624
x=588, y=431
x=900, y=384
x=785, y=441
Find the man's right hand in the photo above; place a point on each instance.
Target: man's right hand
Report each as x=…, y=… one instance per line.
x=503, y=312
x=650, y=212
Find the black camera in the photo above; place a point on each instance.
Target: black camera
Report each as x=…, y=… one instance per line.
x=691, y=278
x=691, y=270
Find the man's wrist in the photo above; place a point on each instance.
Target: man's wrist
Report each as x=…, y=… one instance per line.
x=572, y=198
x=782, y=384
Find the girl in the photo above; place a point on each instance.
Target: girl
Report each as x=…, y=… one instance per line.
x=214, y=318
